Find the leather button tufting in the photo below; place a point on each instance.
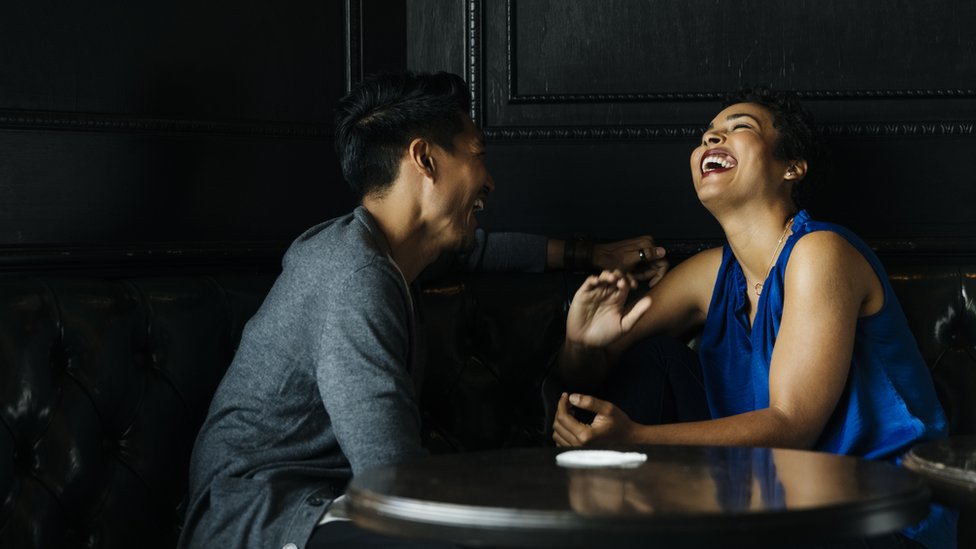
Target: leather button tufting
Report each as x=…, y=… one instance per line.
x=315, y=502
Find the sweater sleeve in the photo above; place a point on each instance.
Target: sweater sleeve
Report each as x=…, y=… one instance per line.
x=363, y=358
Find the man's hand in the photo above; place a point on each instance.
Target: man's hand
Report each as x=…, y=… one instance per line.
x=599, y=314
x=610, y=425
x=637, y=256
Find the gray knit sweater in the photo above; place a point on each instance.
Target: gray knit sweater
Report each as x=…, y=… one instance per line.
x=323, y=386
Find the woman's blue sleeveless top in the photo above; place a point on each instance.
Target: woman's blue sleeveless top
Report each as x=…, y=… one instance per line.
x=889, y=402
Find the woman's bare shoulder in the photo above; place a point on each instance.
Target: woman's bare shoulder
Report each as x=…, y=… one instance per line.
x=826, y=261
x=824, y=249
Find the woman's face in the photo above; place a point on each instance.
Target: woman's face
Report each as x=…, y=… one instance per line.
x=736, y=155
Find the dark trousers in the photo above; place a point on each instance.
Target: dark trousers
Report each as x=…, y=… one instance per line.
x=658, y=380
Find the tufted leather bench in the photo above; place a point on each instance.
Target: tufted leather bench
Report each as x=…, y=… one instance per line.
x=104, y=382
x=103, y=385
x=493, y=339
x=940, y=303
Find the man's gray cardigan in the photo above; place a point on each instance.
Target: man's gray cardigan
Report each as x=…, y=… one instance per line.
x=323, y=386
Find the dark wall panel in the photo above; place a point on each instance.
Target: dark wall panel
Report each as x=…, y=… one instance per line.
x=563, y=188
x=667, y=46
x=654, y=62
x=106, y=188
x=239, y=60
x=903, y=187
x=161, y=130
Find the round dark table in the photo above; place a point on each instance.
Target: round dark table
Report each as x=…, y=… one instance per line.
x=682, y=495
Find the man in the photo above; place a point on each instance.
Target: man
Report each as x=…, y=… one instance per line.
x=323, y=385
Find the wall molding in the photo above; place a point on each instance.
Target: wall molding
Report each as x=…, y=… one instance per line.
x=148, y=259
x=658, y=132
x=560, y=99
x=353, y=11
x=71, y=121
x=888, y=249
x=472, y=60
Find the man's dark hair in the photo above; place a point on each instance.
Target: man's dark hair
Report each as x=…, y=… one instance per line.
x=799, y=138
x=377, y=120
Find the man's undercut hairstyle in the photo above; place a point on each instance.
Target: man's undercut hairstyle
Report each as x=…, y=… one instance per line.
x=799, y=137
x=376, y=121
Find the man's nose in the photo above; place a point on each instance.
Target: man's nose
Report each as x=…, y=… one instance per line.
x=490, y=184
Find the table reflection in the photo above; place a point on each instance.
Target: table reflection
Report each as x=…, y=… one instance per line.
x=651, y=488
x=725, y=480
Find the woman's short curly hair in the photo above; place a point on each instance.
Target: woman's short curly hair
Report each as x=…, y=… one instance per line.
x=800, y=139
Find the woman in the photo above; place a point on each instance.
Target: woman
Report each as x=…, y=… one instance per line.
x=803, y=344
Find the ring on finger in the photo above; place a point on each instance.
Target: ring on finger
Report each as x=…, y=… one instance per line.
x=642, y=255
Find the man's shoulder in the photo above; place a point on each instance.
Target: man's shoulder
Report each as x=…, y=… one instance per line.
x=338, y=265
x=335, y=233
x=340, y=245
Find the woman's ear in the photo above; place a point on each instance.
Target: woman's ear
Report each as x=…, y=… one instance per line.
x=421, y=160
x=796, y=170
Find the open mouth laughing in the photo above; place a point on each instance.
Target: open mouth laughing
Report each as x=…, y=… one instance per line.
x=479, y=204
x=715, y=161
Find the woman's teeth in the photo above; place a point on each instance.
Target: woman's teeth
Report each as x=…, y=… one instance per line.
x=717, y=161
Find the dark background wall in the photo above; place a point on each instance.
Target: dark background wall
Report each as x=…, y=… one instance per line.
x=592, y=108
x=170, y=134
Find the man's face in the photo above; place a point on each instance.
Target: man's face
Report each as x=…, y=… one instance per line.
x=461, y=188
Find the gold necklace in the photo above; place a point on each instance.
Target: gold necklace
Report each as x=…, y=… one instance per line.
x=772, y=260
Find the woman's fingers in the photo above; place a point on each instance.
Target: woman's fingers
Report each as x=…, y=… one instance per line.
x=636, y=312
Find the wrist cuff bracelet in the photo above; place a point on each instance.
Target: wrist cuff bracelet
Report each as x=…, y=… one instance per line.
x=578, y=254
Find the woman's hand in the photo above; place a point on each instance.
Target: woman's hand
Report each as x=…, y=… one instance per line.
x=610, y=425
x=599, y=314
x=637, y=256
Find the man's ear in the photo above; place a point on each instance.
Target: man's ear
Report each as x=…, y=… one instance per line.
x=419, y=152
x=796, y=171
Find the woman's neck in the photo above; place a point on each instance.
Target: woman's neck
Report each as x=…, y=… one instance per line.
x=756, y=239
